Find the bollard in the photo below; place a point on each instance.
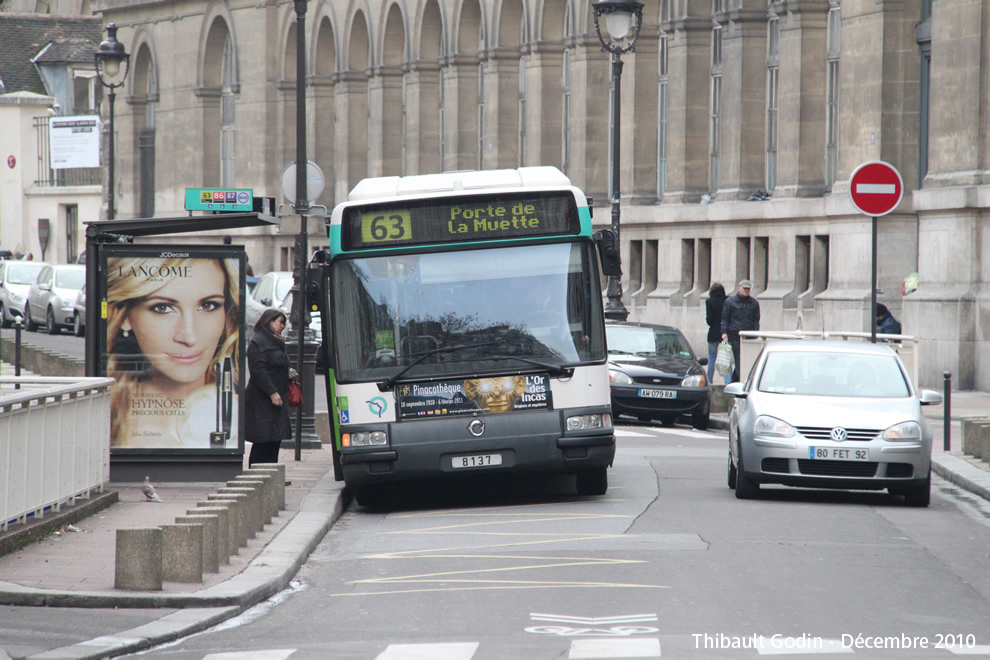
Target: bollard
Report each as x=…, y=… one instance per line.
x=226, y=527
x=238, y=515
x=211, y=533
x=138, y=561
x=182, y=553
x=947, y=412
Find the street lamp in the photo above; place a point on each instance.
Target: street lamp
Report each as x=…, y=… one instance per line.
x=109, y=56
x=623, y=19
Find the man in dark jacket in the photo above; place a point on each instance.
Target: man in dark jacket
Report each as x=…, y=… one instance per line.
x=886, y=323
x=740, y=312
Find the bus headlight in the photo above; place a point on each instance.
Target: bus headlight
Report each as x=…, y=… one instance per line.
x=585, y=422
x=364, y=439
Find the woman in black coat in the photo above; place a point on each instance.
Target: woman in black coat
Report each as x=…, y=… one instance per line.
x=713, y=315
x=267, y=417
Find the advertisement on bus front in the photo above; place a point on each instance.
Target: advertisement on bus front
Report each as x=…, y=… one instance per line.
x=170, y=332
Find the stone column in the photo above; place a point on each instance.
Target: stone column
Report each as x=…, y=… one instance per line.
x=801, y=143
x=422, y=117
x=744, y=102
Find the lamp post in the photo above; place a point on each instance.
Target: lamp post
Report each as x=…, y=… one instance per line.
x=299, y=315
x=623, y=19
x=109, y=56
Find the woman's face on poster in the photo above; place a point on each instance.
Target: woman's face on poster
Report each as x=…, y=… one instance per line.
x=179, y=325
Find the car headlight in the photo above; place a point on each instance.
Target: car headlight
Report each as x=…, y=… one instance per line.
x=777, y=428
x=619, y=377
x=364, y=439
x=693, y=381
x=903, y=432
x=585, y=422
x=17, y=298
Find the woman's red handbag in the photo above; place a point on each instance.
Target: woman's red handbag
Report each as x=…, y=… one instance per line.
x=295, y=394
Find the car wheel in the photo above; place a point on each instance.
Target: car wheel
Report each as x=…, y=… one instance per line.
x=920, y=496
x=29, y=324
x=700, y=422
x=593, y=481
x=78, y=329
x=50, y=325
x=731, y=476
x=746, y=488
x=3, y=318
x=668, y=420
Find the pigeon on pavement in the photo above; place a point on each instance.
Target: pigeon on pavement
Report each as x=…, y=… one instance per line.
x=149, y=491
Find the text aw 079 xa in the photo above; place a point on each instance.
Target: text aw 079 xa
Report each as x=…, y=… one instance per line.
x=464, y=330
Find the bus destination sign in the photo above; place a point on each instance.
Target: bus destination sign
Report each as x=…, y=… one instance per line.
x=460, y=219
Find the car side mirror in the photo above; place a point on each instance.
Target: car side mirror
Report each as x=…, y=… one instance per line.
x=45, y=287
x=929, y=397
x=703, y=361
x=735, y=390
x=608, y=252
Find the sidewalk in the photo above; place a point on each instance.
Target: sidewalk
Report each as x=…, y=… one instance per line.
x=74, y=567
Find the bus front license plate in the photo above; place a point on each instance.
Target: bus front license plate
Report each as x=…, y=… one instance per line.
x=475, y=460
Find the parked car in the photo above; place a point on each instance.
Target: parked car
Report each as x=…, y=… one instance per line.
x=830, y=414
x=79, y=314
x=53, y=295
x=655, y=375
x=16, y=278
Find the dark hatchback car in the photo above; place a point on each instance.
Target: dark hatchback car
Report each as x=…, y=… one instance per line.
x=654, y=374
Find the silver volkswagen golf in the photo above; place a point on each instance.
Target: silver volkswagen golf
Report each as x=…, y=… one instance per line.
x=830, y=414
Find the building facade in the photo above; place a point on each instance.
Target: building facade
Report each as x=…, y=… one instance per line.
x=721, y=99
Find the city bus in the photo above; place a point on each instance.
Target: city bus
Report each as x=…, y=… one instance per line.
x=464, y=330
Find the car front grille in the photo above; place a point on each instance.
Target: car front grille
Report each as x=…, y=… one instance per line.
x=653, y=380
x=825, y=433
x=837, y=468
x=779, y=465
x=900, y=470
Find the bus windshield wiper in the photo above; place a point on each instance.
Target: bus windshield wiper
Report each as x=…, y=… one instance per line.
x=389, y=382
x=554, y=369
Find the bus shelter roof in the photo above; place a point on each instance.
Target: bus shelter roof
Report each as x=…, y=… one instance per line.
x=179, y=225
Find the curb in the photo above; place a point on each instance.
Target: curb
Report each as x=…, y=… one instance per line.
x=962, y=473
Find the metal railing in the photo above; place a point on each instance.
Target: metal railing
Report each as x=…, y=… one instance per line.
x=47, y=177
x=54, y=443
x=906, y=346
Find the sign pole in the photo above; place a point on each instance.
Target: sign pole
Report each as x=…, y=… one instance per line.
x=875, y=189
x=873, y=287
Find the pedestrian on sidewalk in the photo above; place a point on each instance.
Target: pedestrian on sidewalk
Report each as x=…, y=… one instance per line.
x=740, y=312
x=266, y=399
x=713, y=316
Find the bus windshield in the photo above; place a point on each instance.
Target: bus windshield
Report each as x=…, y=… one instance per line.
x=450, y=313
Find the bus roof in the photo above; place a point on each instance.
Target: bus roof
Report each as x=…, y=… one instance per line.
x=397, y=186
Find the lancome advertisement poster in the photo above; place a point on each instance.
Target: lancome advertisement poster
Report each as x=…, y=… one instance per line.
x=171, y=319
x=474, y=395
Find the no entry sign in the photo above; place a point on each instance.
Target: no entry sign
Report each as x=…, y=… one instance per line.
x=876, y=188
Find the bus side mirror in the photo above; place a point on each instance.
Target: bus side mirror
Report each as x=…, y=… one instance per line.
x=608, y=252
x=314, y=297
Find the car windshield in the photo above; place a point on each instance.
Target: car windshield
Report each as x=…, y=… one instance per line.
x=23, y=273
x=463, y=312
x=70, y=279
x=833, y=374
x=646, y=342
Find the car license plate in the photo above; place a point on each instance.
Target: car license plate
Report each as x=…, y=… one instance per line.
x=475, y=460
x=658, y=394
x=839, y=454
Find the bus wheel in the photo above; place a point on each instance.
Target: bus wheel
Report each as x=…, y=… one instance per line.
x=371, y=497
x=593, y=481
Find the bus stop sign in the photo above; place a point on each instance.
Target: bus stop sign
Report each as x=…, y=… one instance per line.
x=876, y=188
